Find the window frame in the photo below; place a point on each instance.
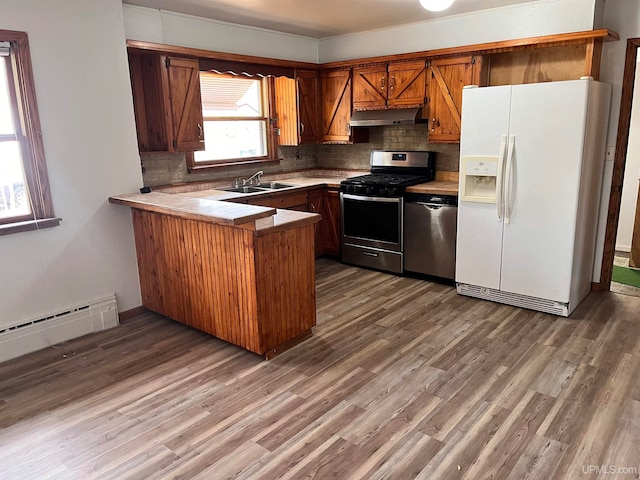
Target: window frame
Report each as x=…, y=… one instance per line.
x=268, y=101
x=29, y=136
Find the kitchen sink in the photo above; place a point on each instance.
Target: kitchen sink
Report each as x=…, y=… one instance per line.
x=263, y=187
x=275, y=185
x=245, y=189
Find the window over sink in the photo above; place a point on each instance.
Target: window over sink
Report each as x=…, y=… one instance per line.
x=236, y=116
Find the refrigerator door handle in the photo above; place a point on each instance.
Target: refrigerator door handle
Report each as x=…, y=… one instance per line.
x=507, y=195
x=499, y=179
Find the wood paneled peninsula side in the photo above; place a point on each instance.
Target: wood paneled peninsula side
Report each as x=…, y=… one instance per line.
x=242, y=273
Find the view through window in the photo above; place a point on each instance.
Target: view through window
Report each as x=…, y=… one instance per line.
x=235, y=122
x=14, y=202
x=25, y=196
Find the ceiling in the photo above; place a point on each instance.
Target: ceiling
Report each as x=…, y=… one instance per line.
x=318, y=18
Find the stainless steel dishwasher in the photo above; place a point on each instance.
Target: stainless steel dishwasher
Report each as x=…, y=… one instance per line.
x=430, y=223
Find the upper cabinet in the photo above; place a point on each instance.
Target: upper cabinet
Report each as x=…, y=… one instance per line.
x=313, y=103
x=297, y=108
x=447, y=77
x=167, y=103
x=370, y=87
x=396, y=84
x=184, y=104
x=407, y=84
x=336, y=109
x=308, y=83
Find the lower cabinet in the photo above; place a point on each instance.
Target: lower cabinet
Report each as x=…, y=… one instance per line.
x=290, y=200
x=326, y=202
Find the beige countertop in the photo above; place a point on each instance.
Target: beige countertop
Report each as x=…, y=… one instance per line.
x=201, y=209
x=435, y=188
x=205, y=202
x=262, y=219
x=299, y=183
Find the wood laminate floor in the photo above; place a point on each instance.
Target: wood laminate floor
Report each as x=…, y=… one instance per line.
x=402, y=379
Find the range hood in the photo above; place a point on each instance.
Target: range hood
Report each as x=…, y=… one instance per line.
x=375, y=118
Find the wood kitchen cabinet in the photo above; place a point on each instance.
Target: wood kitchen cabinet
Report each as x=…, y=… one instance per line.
x=331, y=222
x=308, y=83
x=297, y=108
x=336, y=109
x=326, y=202
x=167, y=103
x=316, y=205
x=370, y=87
x=396, y=84
x=447, y=78
x=295, y=200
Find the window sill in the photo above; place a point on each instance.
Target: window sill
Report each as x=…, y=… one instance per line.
x=8, y=228
x=232, y=163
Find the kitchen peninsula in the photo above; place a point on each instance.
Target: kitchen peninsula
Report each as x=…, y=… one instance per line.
x=242, y=273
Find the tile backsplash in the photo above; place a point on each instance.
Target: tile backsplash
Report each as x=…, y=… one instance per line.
x=171, y=168
x=393, y=137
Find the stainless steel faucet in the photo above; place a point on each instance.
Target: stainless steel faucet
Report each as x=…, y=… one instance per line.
x=249, y=181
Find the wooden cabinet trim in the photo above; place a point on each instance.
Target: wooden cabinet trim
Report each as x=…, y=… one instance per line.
x=201, y=53
x=573, y=38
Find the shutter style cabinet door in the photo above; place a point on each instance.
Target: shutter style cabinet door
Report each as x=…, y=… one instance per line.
x=308, y=105
x=370, y=87
x=184, y=105
x=447, y=78
x=336, y=106
x=286, y=111
x=407, y=84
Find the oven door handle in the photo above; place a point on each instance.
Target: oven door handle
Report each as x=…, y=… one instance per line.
x=362, y=198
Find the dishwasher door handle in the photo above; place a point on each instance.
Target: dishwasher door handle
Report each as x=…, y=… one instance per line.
x=435, y=206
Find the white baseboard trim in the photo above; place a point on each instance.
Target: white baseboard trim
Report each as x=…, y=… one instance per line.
x=32, y=335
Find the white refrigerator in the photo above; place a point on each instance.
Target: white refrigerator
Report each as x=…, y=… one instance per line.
x=531, y=165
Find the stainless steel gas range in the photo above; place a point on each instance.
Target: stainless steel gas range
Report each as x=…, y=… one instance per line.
x=372, y=208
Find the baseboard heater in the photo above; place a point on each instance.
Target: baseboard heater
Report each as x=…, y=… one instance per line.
x=36, y=334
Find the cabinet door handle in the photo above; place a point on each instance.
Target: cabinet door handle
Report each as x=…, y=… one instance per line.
x=382, y=83
x=301, y=128
x=199, y=131
x=392, y=83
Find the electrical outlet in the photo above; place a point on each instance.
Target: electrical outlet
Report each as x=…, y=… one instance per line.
x=611, y=153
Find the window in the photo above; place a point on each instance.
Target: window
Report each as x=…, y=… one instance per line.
x=235, y=111
x=25, y=201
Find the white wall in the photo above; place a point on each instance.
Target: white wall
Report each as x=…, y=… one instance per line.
x=631, y=174
x=623, y=17
x=86, y=112
x=171, y=28
x=542, y=17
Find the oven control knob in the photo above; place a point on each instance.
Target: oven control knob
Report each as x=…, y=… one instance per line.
x=369, y=190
